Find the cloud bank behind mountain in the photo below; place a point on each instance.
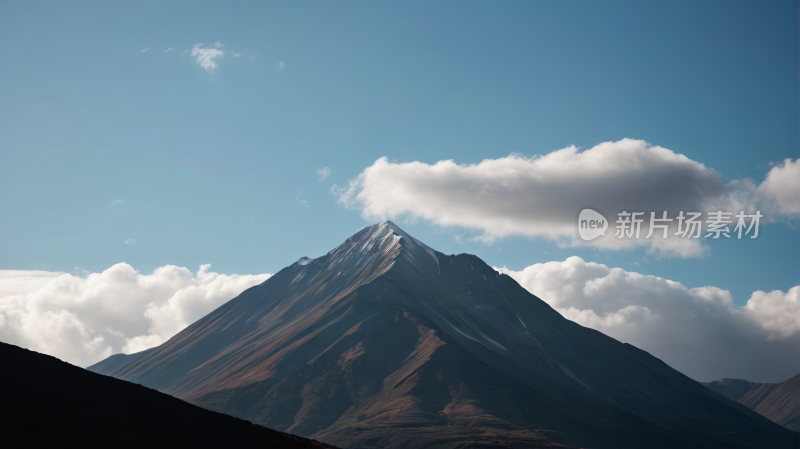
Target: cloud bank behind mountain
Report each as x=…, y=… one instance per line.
x=83, y=320
x=698, y=331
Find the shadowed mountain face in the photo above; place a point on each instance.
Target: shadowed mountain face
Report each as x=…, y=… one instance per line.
x=384, y=342
x=779, y=402
x=50, y=403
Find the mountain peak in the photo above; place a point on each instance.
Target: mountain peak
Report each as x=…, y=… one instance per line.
x=393, y=237
x=384, y=227
x=384, y=339
x=390, y=224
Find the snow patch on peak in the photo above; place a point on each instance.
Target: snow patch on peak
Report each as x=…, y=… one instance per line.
x=391, y=225
x=387, y=225
x=305, y=260
x=381, y=239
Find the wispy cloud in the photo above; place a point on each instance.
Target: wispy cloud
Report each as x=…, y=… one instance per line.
x=281, y=65
x=207, y=57
x=146, y=50
x=116, y=202
x=323, y=173
x=300, y=200
x=165, y=51
x=130, y=241
x=236, y=55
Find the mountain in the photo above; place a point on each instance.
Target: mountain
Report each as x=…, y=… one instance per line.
x=50, y=403
x=733, y=389
x=778, y=402
x=384, y=342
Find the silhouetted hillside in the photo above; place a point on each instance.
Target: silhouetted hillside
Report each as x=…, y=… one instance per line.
x=50, y=403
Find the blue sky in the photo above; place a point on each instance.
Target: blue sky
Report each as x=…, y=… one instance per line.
x=102, y=142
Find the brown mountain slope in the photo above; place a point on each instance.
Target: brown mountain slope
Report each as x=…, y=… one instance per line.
x=779, y=402
x=384, y=342
x=387, y=378
x=50, y=403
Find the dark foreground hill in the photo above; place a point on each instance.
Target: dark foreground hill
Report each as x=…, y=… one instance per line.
x=384, y=342
x=48, y=403
x=779, y=402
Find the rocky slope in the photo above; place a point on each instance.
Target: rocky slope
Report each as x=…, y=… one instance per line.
x=778, y=402
x=384, y=342
x=50, y=403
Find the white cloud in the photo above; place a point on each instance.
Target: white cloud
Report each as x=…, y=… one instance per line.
x=84, y=319
x=778, y=313
x=141, y=342
x=323, y=173
x=698, y=331
x=146, y=50
x=130, y=241
x=780, y=191
x=207, y=57
x=541, y=195
x=236, y=55
x=17, y=282
x=218, y=45
x=116, y=202
x=167, y=50
x=281, y=65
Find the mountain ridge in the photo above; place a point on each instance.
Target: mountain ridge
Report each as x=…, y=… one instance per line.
x=778, y=402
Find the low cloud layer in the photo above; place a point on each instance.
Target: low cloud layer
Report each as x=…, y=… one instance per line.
x=541, y=196
x=82, y=320
x=698, y=331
